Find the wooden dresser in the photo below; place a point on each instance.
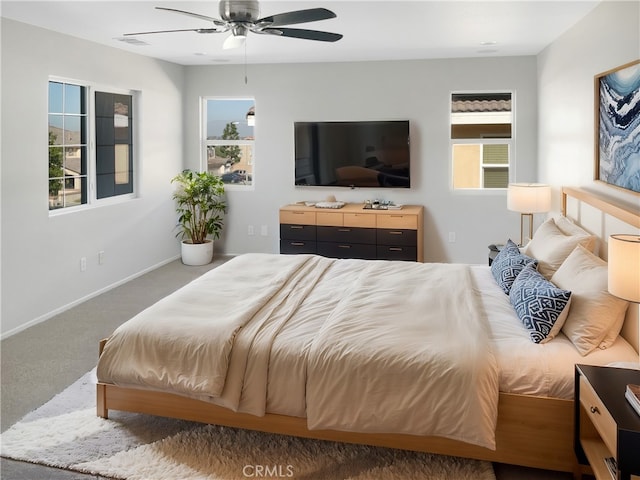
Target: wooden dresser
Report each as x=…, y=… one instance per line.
x=353, y=232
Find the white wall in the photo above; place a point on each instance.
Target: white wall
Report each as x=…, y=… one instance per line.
x=606, y=38
x=41, y=254
x=415, y=90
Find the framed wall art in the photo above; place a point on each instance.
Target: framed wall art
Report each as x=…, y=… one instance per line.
x=617, y=127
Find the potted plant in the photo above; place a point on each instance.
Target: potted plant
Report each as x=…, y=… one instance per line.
x=200, y=206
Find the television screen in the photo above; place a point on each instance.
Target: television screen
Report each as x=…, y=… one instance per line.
x=352, y=154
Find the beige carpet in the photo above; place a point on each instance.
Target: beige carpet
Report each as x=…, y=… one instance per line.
x=66, y=433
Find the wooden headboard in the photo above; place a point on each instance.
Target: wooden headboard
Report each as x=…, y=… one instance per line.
x=604, y=216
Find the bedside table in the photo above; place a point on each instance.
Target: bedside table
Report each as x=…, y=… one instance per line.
x=606, y=425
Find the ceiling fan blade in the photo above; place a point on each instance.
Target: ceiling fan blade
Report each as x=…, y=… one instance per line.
x=298, y=16
x=198, y=30
x=216, y=21
x=304, y=34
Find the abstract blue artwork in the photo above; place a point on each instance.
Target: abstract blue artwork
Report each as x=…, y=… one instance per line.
x=618, y=127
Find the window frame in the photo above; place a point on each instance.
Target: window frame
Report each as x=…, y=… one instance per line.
x=205, y=142
x=489, y=140
x=90, y=118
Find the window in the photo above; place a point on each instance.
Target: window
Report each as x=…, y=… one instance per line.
x=228, y=126
x=114, y=145
x=67, y=145
x=82, y=171
x=481, y=140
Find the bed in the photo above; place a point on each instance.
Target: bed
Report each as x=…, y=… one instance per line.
x=297, y=338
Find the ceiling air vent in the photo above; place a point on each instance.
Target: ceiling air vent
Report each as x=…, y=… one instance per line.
x=131, y=41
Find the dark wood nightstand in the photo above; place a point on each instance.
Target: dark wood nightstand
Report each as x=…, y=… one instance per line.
x=606, y=425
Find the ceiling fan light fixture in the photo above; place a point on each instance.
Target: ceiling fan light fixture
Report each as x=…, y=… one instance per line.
x=237, y=38
x=240, y=30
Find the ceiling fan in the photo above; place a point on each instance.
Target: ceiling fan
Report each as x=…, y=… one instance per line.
x=242, y=16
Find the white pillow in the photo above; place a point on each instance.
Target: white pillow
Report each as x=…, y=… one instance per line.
x=550, y=246
x=569, y=228
x=594, y=313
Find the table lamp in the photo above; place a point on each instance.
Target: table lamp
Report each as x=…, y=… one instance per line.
x=528, y=198
x=624, y=267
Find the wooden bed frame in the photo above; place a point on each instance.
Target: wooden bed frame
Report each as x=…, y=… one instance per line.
x=531, y=431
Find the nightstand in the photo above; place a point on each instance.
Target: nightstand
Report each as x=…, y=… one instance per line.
x=606, y=425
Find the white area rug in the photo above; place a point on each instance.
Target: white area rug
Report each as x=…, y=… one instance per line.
x=66, y=433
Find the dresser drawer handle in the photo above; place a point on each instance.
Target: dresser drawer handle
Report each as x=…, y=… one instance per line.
x=395, y=249
x=393, y=232
x=298, y=213
x=296, y=227
x=593, y=409
x=297, y=244
x=344, y=246
x=344, y=229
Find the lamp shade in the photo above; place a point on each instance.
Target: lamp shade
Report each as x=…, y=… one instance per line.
x=624, y=267
x=529, y=197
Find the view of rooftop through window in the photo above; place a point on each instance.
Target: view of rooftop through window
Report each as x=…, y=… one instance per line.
x=230, y=138
x=481, y=133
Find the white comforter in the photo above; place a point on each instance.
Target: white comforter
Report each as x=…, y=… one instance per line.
x=352, y=345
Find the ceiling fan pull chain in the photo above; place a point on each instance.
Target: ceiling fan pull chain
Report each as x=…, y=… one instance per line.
x=245, y=62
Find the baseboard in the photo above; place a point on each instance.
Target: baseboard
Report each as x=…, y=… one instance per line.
x=66, y=307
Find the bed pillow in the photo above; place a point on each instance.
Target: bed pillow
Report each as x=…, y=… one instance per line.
x=569, y=228
x=541, y=306
x=508, y=264
x=596, y=316
x=550, y=247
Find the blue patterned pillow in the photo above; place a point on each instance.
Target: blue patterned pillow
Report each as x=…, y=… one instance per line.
x=541, y=306
x=508, y=264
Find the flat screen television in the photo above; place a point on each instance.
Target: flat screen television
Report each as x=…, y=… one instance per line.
x=352, y=154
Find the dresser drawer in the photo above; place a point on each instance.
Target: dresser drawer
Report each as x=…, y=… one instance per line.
x=346, y=235
x=346, y=250
x=364, y=220
x=297, y=232
x=406, y=253
x=396, y=236
x=397, y=220
x=330, y=218
x=297, y=246
x=299, y=217
x=598, y=414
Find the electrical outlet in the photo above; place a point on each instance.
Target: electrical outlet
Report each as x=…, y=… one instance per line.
x=101, y=257
x=264, y=230
x=250, y=230
x=83, y=264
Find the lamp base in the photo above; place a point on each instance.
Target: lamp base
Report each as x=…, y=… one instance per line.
x=522, y=215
